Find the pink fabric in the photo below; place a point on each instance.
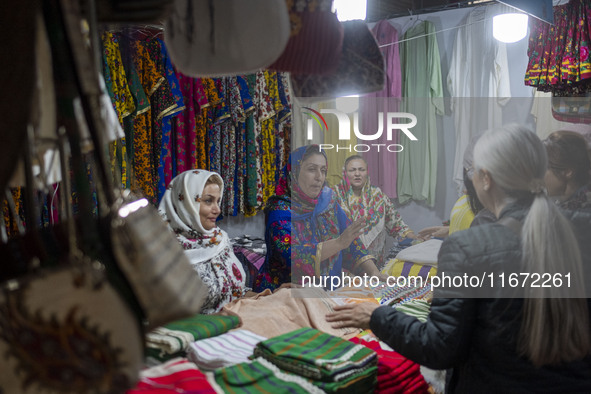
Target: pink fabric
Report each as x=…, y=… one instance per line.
x=184, y=124
x=382, y=166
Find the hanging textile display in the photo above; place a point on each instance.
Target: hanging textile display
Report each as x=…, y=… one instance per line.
x=165, y=173
x=422, y=89
x=238, y=126
x=383, y=166
x=478, y=81
x=559, y=54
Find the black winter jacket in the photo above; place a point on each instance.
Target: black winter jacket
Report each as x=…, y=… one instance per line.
x=477, y=336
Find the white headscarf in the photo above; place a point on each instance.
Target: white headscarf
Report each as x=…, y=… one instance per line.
x=180, y=208
x=209, y=251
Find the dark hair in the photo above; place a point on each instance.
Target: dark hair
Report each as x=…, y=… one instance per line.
x=475, y=204
x=568, y=150
x=354, y=157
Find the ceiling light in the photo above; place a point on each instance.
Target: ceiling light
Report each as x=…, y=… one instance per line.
x=348, y=10
x=510, y=27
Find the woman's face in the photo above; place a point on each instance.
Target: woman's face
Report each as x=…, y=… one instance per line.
x=555, y=183
x=312, y=175
x=356, y=173
x=209, y=208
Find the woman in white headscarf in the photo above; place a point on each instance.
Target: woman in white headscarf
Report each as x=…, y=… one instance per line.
x=191, y=206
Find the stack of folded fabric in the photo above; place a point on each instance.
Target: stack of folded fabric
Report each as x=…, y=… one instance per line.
x=396, y=373
x=332, y=364
x=260, y=376
x=231, y=348
x=175, y=376
x=173, y=339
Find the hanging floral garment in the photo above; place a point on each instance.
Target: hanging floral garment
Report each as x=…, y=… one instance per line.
x=163, y=104
x=143, y=160
x=253, y=180
x=122, y=99
x=186, y=140
x=209, y=117
x=165, y=167
x=217, y=118
x=559, y=54
x=241, y=144
x=141, y=102
x=226, y=130
x=264, y=123
x=283, y=124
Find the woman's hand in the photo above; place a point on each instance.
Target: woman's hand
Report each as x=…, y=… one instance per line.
x=434, y=232
x=351, y=233
x=352, y=315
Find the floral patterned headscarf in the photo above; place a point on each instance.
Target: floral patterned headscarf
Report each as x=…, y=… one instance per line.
x=369, y=205
x=301, y=203
x=180, y=208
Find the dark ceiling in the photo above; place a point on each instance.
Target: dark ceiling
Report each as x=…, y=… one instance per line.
x=388, y=9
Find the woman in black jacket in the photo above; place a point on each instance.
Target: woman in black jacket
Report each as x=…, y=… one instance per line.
x=496, y=325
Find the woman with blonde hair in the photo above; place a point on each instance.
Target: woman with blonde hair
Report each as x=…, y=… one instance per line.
x=191, y=206
x=538, y=341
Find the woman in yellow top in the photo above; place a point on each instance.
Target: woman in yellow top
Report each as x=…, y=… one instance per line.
x=468, y=210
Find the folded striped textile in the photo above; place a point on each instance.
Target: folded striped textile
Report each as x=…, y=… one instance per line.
x=173, y=339
x=316, y=355
x=394, y=294
x=260, y=376
x=175, y=376
x=231, y=348
x=396, y=267
x=418, y=308
x=362, y=382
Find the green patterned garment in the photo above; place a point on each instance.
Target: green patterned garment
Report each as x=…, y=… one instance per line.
x=173, y=339
x=260, y=376
x=313, y=354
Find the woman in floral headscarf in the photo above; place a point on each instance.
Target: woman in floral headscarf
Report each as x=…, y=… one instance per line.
x=360, y=199
x=191, y=206
x=307, y=233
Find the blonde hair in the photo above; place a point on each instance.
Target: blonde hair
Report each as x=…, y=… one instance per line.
x=554, y=328
x=214, y=179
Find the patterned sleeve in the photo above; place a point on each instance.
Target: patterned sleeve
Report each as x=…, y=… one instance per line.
x=278, y=237
x=356, y=253
x=393, y=222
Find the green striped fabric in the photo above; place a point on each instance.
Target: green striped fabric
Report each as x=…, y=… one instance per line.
x=363, y=382
x=205, y=326
x=260, y=376
x=417, y=308
x=316, y=355
x=173, y=339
